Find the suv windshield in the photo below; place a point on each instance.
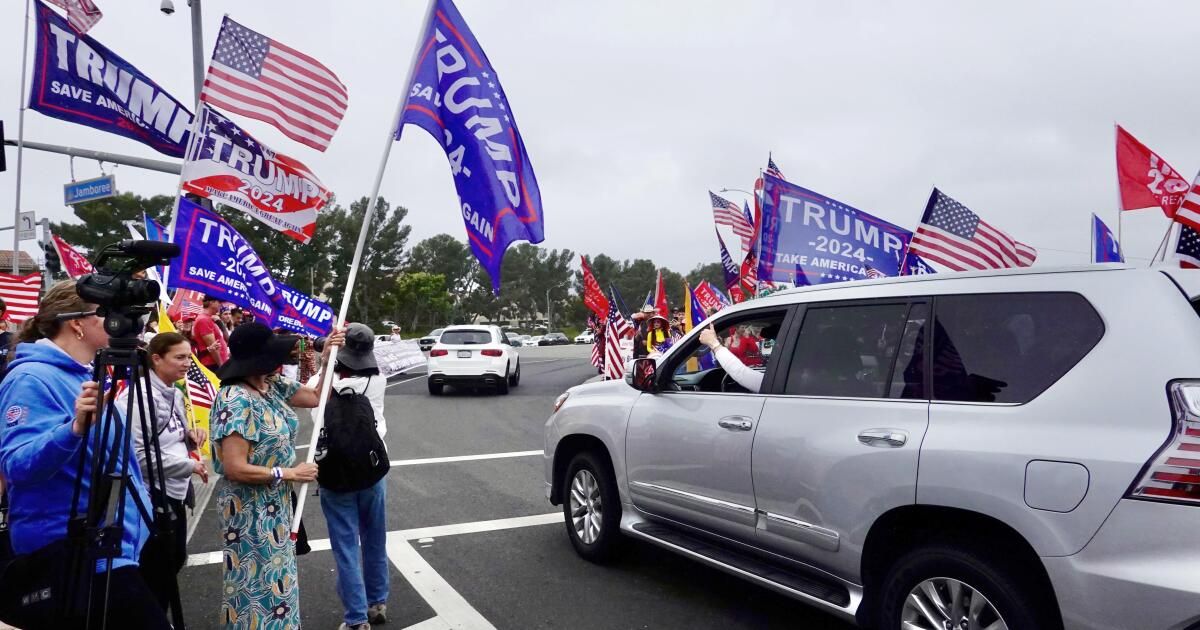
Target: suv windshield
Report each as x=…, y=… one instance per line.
x=465, y=337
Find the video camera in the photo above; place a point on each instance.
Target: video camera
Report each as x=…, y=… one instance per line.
x=122, y=299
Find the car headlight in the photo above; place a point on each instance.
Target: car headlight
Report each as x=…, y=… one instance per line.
x=558, y=402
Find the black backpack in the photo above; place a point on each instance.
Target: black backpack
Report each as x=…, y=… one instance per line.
x=350, y=452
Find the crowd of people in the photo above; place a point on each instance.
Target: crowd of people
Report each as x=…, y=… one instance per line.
x=49, y=400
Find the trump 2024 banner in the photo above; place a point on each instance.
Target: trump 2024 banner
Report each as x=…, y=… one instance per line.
x=216, y=260
x=229, y=165
x=809, y=238
x=456, y=96
x=79, y=80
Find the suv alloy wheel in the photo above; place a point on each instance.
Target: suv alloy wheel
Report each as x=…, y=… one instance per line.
x=591, y=507
x=948, y=586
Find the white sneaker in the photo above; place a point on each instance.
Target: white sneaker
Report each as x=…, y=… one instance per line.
x=361, y=626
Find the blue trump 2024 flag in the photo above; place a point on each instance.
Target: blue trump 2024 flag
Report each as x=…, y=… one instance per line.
x=1105, y=247
x=808, y=238
x=456, y=96
x=79, y=80
x=214, y=259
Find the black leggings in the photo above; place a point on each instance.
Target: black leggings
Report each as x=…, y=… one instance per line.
x=161, y=560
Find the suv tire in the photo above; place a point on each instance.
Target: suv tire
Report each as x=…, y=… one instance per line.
x=435, y=389
x=502, y=385
x=515, y=379
x=594, y=513
x=1008, y=591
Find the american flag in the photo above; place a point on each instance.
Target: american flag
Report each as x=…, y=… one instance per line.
x=773, y=170
x=615, y=328
x=725, y=212
x=873, y=273
x=200, y=390
x=256, y=76
x=950, y=234
x=20, y=294
x=82, y=15
x=186, y=302
x=1189, y=211
x=1188, y=249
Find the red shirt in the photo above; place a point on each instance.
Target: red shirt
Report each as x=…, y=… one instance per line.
x=206, y=326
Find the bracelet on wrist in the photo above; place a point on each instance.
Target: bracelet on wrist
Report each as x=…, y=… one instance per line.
x=276, y=475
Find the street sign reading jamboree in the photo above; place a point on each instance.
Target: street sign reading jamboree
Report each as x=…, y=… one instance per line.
x=89, y=189
x=809, y=238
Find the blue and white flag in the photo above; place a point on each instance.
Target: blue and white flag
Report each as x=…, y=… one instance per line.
x=1105, y=247
x=216, y=260
x=456, y=96
x=79, y=80
x=155, y=232
x=914, y=265
x=728, y=267
x=808, y=238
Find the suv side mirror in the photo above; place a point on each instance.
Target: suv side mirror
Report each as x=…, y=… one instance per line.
x=641, y=375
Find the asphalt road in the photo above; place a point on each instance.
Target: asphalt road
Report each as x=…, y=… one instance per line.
x=474, y=544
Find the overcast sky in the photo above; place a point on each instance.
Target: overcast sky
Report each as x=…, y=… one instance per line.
x=632, y=110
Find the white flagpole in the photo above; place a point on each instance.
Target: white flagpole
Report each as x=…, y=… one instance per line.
x=16, y=260
x=1092, y=229
x=1120, y=210
x=343, y=312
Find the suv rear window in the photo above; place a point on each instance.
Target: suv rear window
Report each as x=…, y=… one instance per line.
x=1009, y=347
x=466, y=337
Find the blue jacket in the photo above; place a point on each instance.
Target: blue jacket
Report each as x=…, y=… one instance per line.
x=39, y=454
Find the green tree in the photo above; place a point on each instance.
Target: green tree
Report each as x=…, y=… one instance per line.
x=104, y=219
x=712, y=272
x=421, y=298
x=381, y=263
x=443, y=254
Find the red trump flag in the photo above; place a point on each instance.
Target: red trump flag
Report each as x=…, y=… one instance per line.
x=1145, y=179
x=593, y=296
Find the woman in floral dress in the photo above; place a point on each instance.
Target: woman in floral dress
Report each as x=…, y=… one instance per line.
x=254, y=429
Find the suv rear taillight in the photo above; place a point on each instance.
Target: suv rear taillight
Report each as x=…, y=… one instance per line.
x=438, y=353
x=491, y=353
x=1174, y=473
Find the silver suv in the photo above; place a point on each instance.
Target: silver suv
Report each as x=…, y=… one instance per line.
x=1015, y=449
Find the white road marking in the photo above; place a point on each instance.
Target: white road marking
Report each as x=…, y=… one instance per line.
x=462, y=458
x=405, y=535
x=477, y=527
x=451, y=608
x=433, y=623
x=202, y=505
x=404, y=381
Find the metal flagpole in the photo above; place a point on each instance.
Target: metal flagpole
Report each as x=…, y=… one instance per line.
x=1092, y=229
x=1120, y=210
x=1162, y=246
x=343, y=312
x=20, y=148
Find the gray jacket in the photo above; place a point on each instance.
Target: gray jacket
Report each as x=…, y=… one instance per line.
x=170, y=415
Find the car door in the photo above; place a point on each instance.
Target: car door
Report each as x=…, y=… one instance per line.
x=838, y=441
x=688, y=447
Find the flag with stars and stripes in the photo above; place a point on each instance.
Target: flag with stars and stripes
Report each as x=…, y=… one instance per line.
x=773, y=170
x=873, y=273
x=1187, y=251
x=725, y=212
x=260, y=78
x=950, y=234
x=616, y=327
x=1188, y=213
x=227, y=164
x=82, y=15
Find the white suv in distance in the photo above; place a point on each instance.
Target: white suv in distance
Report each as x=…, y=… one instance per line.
x=1016, y=449
x=473, y=356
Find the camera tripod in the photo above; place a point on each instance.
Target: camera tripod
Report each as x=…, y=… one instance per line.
x=95, y=533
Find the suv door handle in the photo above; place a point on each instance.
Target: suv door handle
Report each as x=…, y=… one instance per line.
x=883, y=438
x=736, y=423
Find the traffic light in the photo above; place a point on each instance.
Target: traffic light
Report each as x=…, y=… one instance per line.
x=53, y=264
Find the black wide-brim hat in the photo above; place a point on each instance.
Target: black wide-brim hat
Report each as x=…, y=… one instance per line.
x=254, y=350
